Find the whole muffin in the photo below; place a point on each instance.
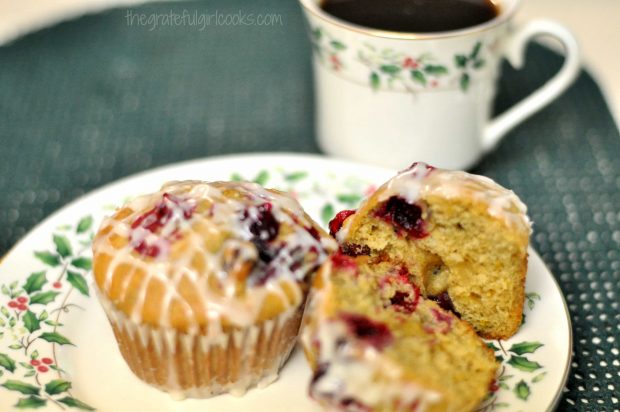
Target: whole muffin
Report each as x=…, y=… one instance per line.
x=205, y=283
x=463, y=237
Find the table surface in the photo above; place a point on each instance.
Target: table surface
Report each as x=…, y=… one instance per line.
x=91, y=100
x=596, y=25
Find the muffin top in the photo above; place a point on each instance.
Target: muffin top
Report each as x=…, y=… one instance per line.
x=195, y=254
x=421, y=181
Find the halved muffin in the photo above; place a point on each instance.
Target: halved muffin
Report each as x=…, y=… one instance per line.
x=463, y=238
x=376, y=345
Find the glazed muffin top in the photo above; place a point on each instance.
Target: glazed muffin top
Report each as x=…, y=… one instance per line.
x=421, y=181
x=230, y=254
x=463, y=237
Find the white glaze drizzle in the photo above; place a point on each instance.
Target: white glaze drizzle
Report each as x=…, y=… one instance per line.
x=226, y=216
x=355, y=370
x=360, y=372
x=421, y=180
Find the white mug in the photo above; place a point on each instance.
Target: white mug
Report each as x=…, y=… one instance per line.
x=388, y=97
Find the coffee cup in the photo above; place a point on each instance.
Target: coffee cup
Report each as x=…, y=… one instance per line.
x=387, y=97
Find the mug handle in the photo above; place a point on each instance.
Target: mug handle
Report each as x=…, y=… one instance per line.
x=515, y=53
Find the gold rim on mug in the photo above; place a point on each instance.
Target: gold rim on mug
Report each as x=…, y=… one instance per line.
x=505, y=14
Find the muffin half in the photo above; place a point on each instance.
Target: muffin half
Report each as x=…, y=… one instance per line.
x=376, y=345
x=463, y=238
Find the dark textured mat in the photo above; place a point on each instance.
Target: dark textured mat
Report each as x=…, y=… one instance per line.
x=89, y=101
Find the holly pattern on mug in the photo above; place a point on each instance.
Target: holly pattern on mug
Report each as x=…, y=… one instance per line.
x=389, y=69
x=466, y=63
x=328, y=49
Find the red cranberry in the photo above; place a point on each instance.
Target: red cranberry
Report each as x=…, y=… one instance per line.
x=345, y=404
x=314, y=232
x=22, y=299
x=414, y=406
x=151, y=251
x=47, y=361
x=57, y=285
x=43, y=369
x=351, y=249
x=22, y=307
x=350, y=404
x=493, y=386
x=371, y=332
x=275, y=254
x=336, y=223
x=12, y=304
x=445, y=302
x=405, y=302
x=320, y=371
x=443, y=317
x=265, y=227
x=260, y=277
x=158, y=217
x=404, y=216
x=426, y=168
x=403, y=275
x=155, y=218
x=342, y=261
x=35, y=362
x=399, y=299
x=265, y=253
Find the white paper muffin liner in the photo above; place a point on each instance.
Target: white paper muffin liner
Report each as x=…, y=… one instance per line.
x=201, y=365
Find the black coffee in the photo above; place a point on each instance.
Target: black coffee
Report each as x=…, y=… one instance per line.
x=413, y=16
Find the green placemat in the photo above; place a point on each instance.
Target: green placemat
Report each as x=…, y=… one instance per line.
x=92, y=100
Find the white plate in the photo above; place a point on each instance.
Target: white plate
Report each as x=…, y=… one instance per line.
x=86, y=367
